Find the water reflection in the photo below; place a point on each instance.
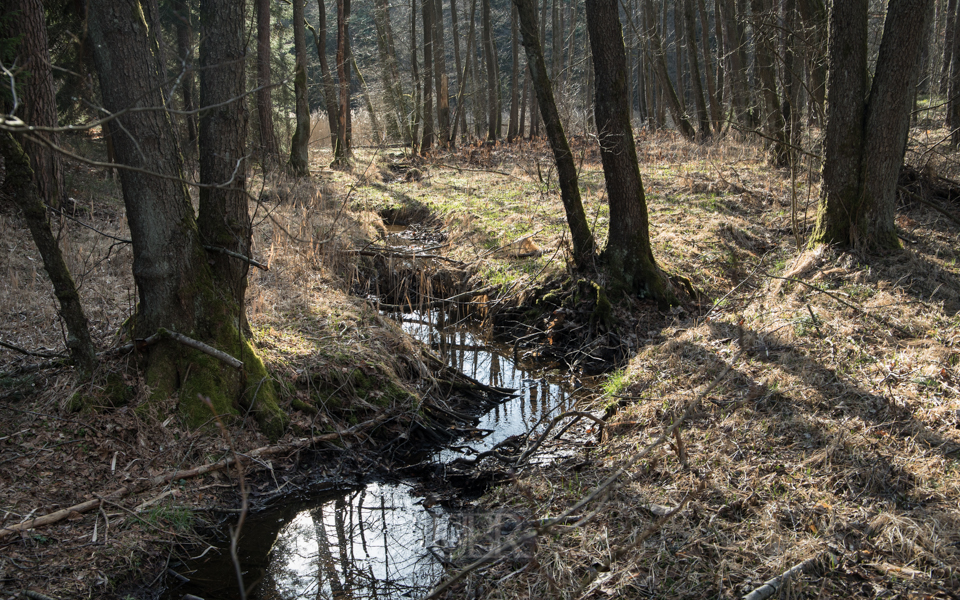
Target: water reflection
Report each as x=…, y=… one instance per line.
x=375, y=542
x=541, y=393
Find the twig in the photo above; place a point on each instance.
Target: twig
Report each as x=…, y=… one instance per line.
x=772, y=586
x=926, y=202
x=439, y=303
x=880, y=320
x=30, y=352
x=237, y=255
x=597, y=492
x=557, y=419
x=197, y=345
x=89, y=505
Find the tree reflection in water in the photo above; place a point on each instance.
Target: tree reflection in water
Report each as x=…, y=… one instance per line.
x=371, y=543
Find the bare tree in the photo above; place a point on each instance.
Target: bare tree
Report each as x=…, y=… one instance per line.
x=268, y=137
x=628, y=257
x=584, y=247
x=300, y=144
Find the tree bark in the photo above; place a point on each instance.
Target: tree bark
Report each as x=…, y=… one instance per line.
x=390, y=70
x=37, y=97
x=300, y=144
x=774, y=124
x=948, y=46
x=19, y=184
x=865, y=141
x=268, y=136
x=512, y=126
x=414, y=67
x=660, y=65
x=326, y=77
x=441, y=81
x=584, y=247
x=953, y=88
x=343, y=152
x=176, y=286
x=224, y=220
x=426, y=142
x=493, y=74
x=184, y=27
x=690, y=36
x=461, y=114
x=713, y=90
x=628, y=257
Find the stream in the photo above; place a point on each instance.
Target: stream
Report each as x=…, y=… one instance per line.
x=378, y=539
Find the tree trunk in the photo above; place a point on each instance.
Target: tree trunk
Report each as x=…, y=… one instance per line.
x=774, y=124
x=176, y=285
x=441, y=81
x=461, y=114
x=329, y=86
x=184, y=26
x=948, y=46
x=426, y=142
x=953, y=102
x=584, y=247
x=224, y=220
x=343, y=152
x=390, y=71
x=416, y=117
x=660, y=65
x=300, y=144
x=493, y=74
x=512, y=127
x=628, y=257
x=865, y=141
x=735, y=40
x=268, y=137
x=814, y=16
x=713, y=91
x=38, y=104
x=690, y=37
x=19, y=184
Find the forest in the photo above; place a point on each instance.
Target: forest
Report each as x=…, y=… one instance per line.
x=479, y=299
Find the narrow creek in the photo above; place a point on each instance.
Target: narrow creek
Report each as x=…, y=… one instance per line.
x=379, y=539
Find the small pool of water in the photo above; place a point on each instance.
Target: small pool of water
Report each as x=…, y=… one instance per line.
x=379, y=540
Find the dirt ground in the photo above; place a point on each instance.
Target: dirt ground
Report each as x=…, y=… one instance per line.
x=830, y=438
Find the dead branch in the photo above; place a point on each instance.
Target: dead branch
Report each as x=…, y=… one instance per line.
x=196, y=345
x=772, y=586
x=237, y=255
x=141, y=486
x=930, y=204
x=601, y=490
x=30, y=352
x=557, y=419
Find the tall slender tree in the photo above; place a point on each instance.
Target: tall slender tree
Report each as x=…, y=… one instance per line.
x=300, y=144
x=584, y=247
x=343, y=152
x=628, y=258
x=426, y=142
x=329, y=86
x=268, y=137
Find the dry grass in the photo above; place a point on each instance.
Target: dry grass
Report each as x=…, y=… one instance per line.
x=836, y=436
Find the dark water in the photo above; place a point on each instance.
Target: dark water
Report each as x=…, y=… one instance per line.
x=379, y=540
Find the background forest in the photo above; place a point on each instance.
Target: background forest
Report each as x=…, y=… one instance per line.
x=725, y=232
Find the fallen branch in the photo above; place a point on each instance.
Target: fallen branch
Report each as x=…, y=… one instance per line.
x=141, y=486
x=772, y=586
x=443, y=302
x=196, y=345
x=557, y=419
x=926, y=202
x=30, y=352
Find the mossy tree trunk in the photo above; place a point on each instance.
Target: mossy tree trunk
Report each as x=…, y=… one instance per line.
x=628, y=258
x=300, y=144
x=584, y=247
x=178, y=289
x=19, y=184
x=866, y=140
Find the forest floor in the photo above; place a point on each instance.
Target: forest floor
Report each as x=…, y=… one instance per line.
x=821, y=389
